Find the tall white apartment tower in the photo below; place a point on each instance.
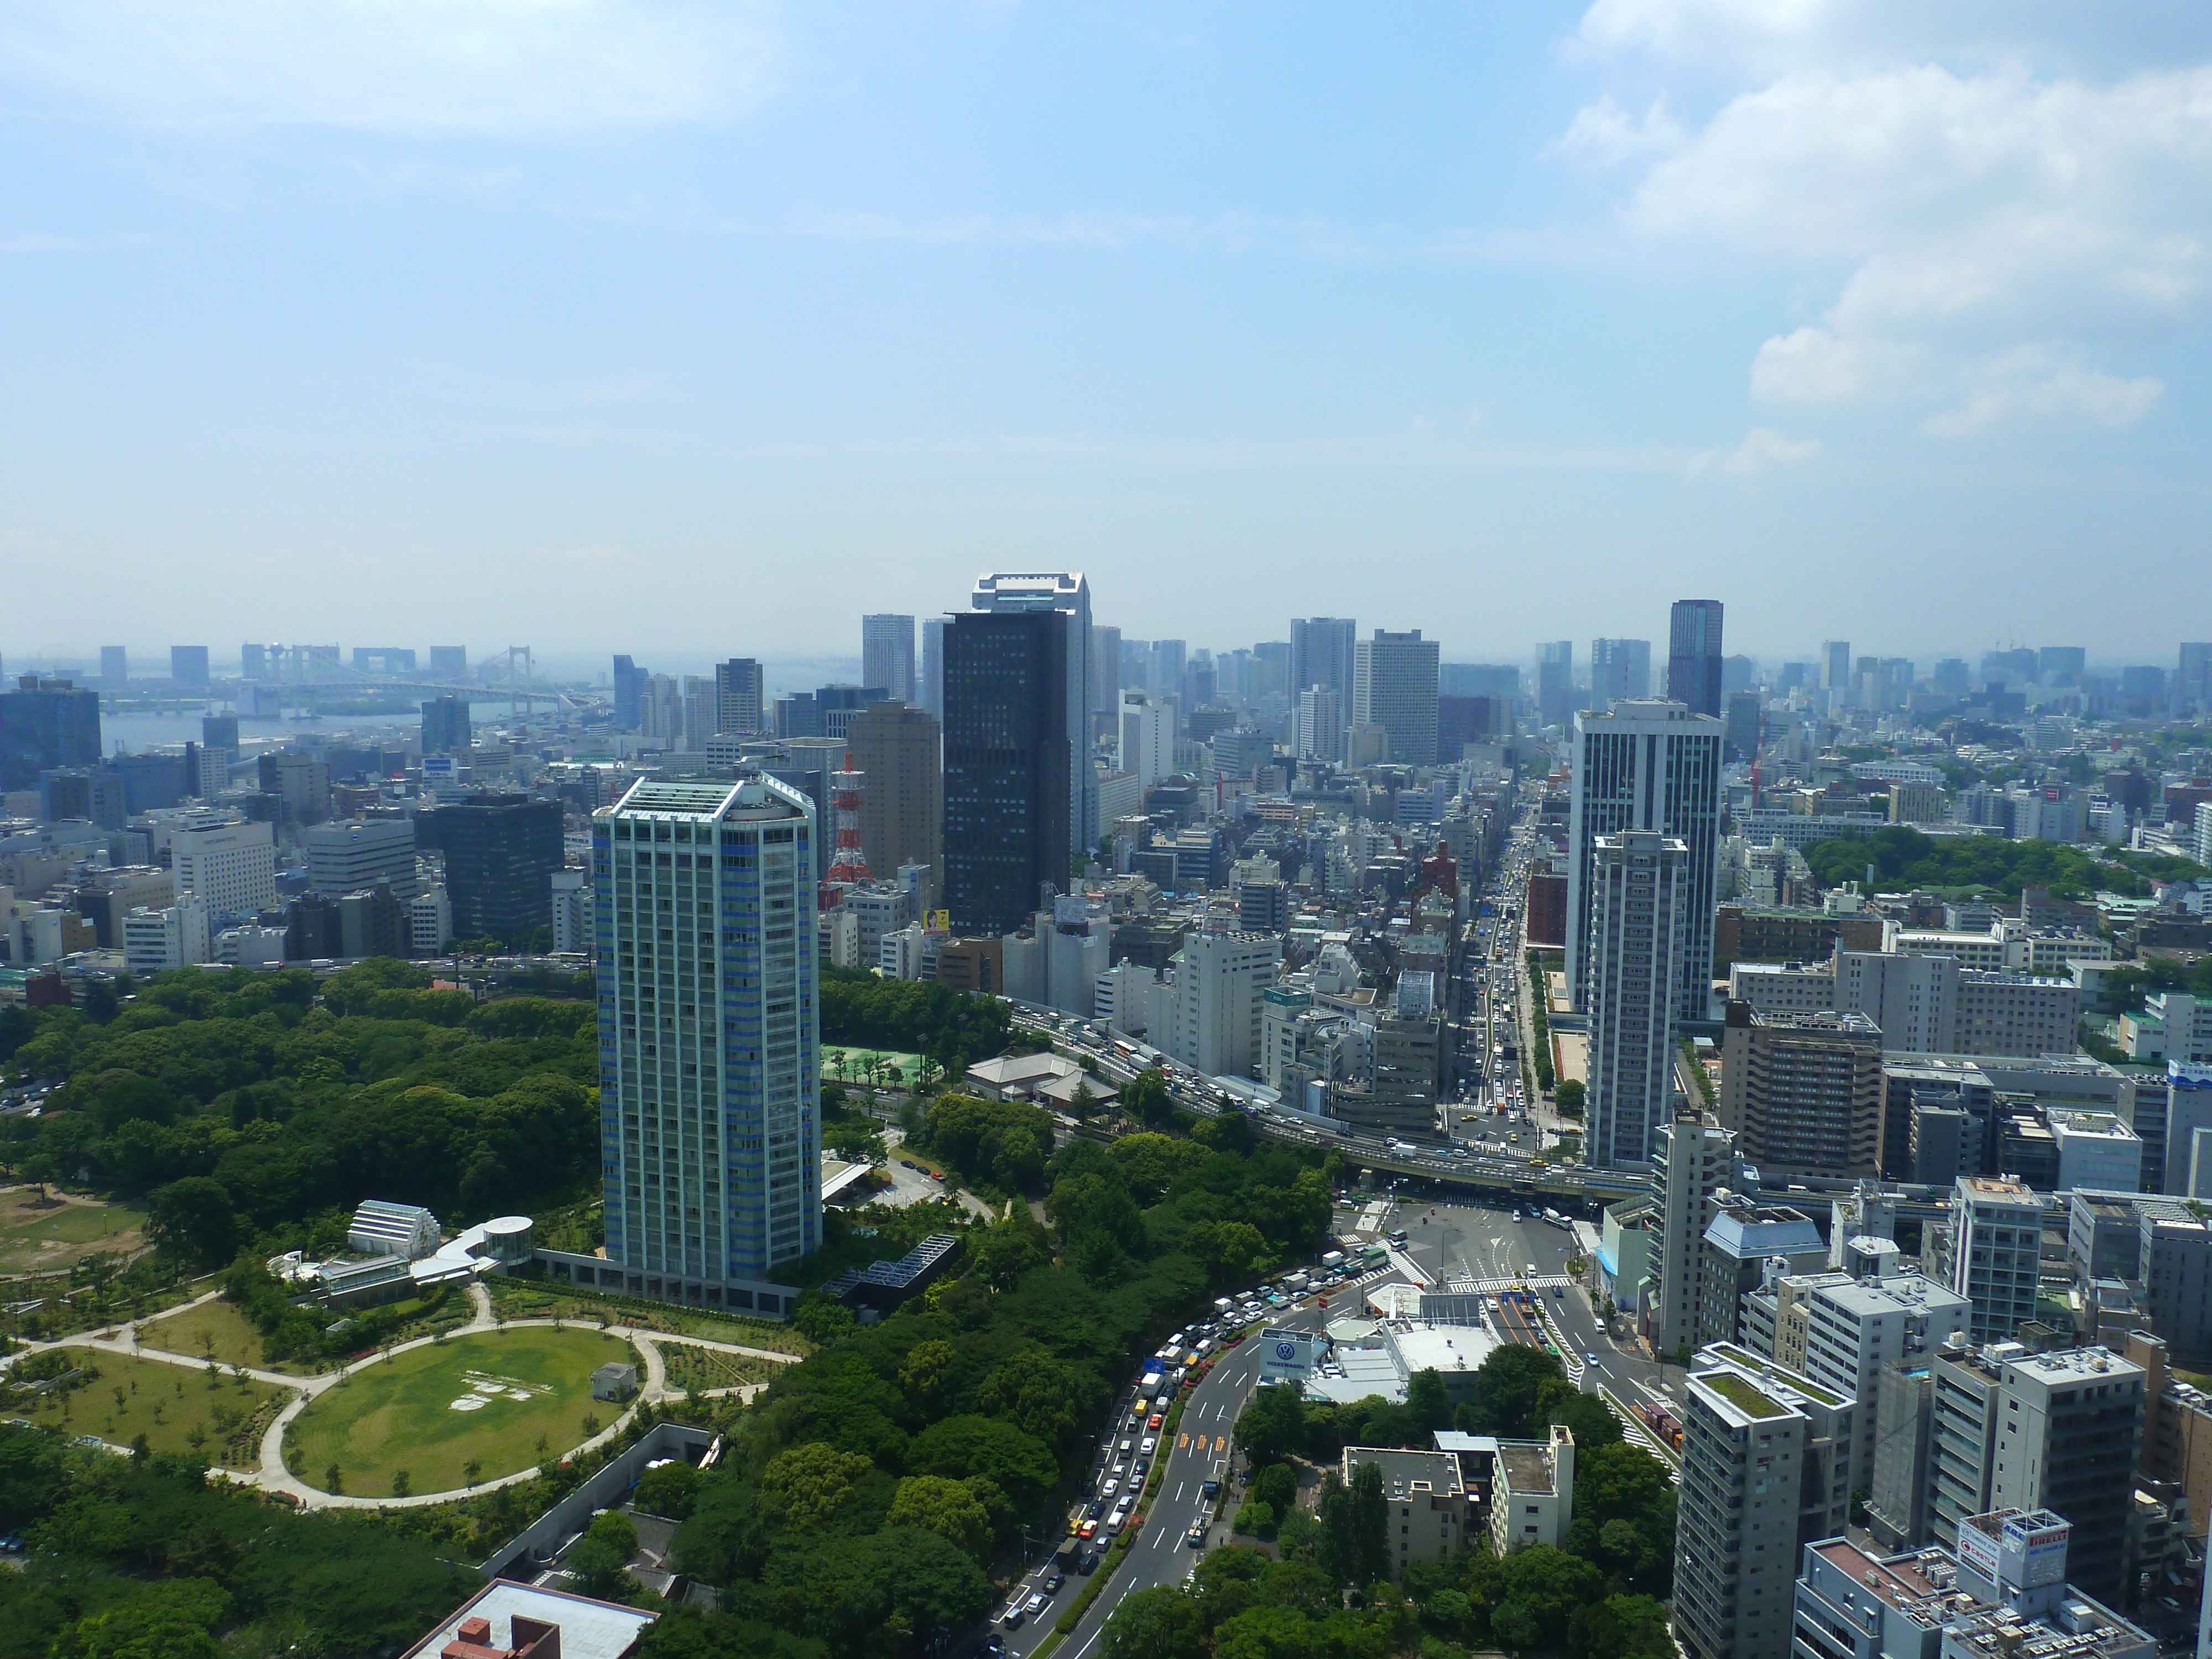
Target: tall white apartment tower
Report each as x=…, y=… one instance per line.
x=1146, y=738
x=1996, y=1253
x=1651, y=766
x=710, y=1034
x=1059, y=591
x=1319, y=733
x=1765, y=1472
x=1393, y=685
x=887, y=655
x=1693, y=1157
x=1322, y=650
x=1639, y=880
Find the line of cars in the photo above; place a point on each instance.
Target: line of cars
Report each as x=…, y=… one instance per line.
x=1133, y=1443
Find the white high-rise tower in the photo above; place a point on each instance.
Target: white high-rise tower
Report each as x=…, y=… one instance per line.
x=887, y=655
x=1636, y=923
x=708, y=1039
x=1651, y=766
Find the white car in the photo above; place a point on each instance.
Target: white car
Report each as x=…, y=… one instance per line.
x=1146, y=1449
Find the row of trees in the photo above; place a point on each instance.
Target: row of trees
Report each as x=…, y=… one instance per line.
x=863, y=1500
x=1902, y=857
x=1240, y=1604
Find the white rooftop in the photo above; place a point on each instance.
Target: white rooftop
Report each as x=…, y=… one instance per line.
x=589, y=1629
x=1442, y=1347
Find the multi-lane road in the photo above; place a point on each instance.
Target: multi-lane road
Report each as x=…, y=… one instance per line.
x=1162, y=1552
x=1446, y=1240
x=1449, y=1240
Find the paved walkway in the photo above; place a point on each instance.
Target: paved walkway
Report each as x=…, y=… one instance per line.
x=273, y=1476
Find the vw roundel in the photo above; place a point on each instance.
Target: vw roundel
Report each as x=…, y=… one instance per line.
x=1286, y=1351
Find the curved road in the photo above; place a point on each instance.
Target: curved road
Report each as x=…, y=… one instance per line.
x=1162, y=1554
x=1447, y=1240
x=272, y=1475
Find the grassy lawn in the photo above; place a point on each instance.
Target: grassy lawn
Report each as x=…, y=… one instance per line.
x=400, y=1414
x=38, y=1237
x=167, y=1404
x=216, y=1329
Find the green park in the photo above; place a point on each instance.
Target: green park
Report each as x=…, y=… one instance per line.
x=453, y=1413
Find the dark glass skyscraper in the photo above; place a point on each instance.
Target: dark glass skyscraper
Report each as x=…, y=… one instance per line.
x=45, y=724
x=501, y=854
x=1007, y=761
x=446, y=728
x=1693, y=656
x=629, y=688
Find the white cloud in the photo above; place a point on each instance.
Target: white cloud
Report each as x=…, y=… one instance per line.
x=1985, y=233
x=397, y=66
x=1763, y=448
x=2029, y=380
x=1605, y=135
x=1815, y=366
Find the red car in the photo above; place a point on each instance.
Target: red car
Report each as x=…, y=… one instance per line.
x=1158, y=1417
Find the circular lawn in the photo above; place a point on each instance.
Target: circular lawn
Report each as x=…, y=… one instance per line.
x=505, y=1399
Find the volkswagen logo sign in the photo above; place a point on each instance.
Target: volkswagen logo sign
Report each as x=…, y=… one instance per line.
x=1286, y=1351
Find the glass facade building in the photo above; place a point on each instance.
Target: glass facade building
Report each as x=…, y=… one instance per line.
x=1006, y=758
x=709, y=1039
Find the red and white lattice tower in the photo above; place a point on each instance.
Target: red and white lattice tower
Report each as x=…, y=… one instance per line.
x=848, y=868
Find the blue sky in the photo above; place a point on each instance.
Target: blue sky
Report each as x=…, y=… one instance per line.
x=695, y=330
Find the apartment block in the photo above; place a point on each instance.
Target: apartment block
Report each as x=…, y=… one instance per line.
x=1996, y=1253
x=1693, y=1161
x=1426, y=1499
x=1803, y=1092
x=1532, y=1492
x=709, y=1040
x=1765, y=1456
x=1743, y=1237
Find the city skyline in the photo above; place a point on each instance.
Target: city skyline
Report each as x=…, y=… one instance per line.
x=151, y=663
x=1003, y=288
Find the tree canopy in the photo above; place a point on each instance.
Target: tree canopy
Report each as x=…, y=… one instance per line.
x=1902, y=857
x=131, y=1556
x=237, y=1105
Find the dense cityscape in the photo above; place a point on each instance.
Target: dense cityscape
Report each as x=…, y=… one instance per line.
x=1068, y=1139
